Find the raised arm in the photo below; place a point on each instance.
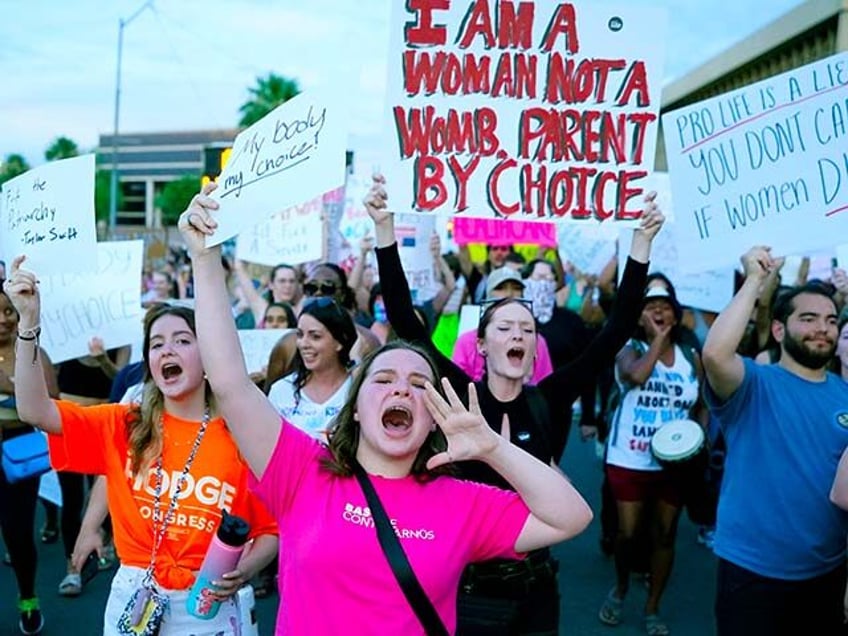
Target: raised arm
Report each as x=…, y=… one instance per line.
x=565, y=382
x=724, y=367
x=258, y=305
x=557, y=511
x=253, y=422
x=33, y=371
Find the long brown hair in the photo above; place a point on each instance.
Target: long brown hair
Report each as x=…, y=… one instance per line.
x=144, y=420
x=344, y=431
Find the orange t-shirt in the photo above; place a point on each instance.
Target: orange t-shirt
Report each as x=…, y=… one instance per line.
x=94, y=441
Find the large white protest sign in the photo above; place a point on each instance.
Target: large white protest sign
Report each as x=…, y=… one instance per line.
x=292, y=155
x=762, y=165
x=292, y=236
x=527, y=110
x=413, y=232
x=256, y=346
x=105, y=303
x=48, y=214
x=710, y=290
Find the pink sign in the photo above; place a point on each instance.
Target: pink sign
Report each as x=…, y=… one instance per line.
x=502, y=232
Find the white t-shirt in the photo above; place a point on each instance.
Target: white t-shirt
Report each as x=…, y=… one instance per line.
x=307, y=415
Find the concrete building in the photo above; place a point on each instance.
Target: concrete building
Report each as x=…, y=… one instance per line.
x=814, y=30
x=147, y=161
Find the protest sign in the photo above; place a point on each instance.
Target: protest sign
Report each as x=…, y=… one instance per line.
x=49, y=488
x=540, y=110
x=469, y=318
x=105, y=303
x=762, y=165
x=501, y=232
x=292, y=155
x=292, y=236
x=256, y=346
x=48, y=214
x=589, y=248
x=413, y=232
x=710, y=290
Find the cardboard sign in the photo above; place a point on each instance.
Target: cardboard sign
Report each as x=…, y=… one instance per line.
x=256, y=346
x=292, y=236
x=413, y=234
x=710, y=290
x=47, y=213
x=105, y=303
x=500, y=232
x=291, y=155
x=762, y=165
x=540, y=110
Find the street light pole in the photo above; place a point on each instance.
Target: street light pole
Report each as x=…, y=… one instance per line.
x=113, y=186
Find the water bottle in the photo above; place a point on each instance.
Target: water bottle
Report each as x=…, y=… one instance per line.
x=223, y=555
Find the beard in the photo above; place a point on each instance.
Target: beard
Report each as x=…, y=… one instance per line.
x=804, y=355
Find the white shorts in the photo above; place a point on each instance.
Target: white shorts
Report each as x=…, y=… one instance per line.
x=177, y=621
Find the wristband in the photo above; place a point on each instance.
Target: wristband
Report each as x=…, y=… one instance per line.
x=31, y=335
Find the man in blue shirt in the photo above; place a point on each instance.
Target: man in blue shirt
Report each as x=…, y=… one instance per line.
x=779, y=539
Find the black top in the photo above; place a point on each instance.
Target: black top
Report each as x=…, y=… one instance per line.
x=559, y=390
x=77, y=378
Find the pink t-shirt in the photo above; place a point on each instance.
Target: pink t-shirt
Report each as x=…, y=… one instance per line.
x=334, y=577
x=467, y=358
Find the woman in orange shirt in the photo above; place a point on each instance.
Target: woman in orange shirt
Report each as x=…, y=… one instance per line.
x=170, y=464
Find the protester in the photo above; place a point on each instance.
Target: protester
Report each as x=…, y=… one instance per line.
x=312, y=395
x=324, y=280
x=500, y=284
x=162, y=289
x=283, y=287
x=658, y=385
x=278, y=315
x=779, y=539
x=18, y=500
x=507, y=339
x=159, y=450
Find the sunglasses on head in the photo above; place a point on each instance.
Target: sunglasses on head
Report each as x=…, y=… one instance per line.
x=326, y=288
x=490, y=304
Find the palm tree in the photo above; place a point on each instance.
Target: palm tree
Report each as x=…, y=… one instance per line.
x=61, y=148
x=269, y=92
x=13, y=166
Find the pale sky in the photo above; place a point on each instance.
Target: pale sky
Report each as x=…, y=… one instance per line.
x=187, y=64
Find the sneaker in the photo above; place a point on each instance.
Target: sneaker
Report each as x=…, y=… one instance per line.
x=706, y=537
x=31, y=621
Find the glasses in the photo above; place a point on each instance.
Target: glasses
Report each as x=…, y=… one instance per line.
x=326, y=288
x=490, y=304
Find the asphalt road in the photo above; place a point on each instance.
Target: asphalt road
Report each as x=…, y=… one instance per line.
x=585, y=577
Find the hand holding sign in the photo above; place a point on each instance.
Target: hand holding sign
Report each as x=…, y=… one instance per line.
x=295, y=153
x=196, y=223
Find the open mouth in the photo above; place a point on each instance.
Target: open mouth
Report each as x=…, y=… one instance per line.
x=171, y=370
x=397, y=418
x=515, y=355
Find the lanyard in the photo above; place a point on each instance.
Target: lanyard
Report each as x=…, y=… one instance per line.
x=159, y=534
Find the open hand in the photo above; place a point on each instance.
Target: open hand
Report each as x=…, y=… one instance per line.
x=466, y=431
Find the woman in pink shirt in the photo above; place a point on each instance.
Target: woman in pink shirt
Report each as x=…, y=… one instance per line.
x=403, y=433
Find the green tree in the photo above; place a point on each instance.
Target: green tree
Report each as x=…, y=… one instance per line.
x=12, y=166
x=61, y=148
x=175, y=197
x=102, y=193
x=269, y=92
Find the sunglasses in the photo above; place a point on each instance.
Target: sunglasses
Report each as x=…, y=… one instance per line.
x=326, y=288
x=490, y=304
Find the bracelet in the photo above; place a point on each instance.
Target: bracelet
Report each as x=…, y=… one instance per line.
x=31, y=335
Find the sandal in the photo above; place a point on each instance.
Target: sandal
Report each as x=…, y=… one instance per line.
x=610, y=613
x=654, y=626
x=71, y=585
